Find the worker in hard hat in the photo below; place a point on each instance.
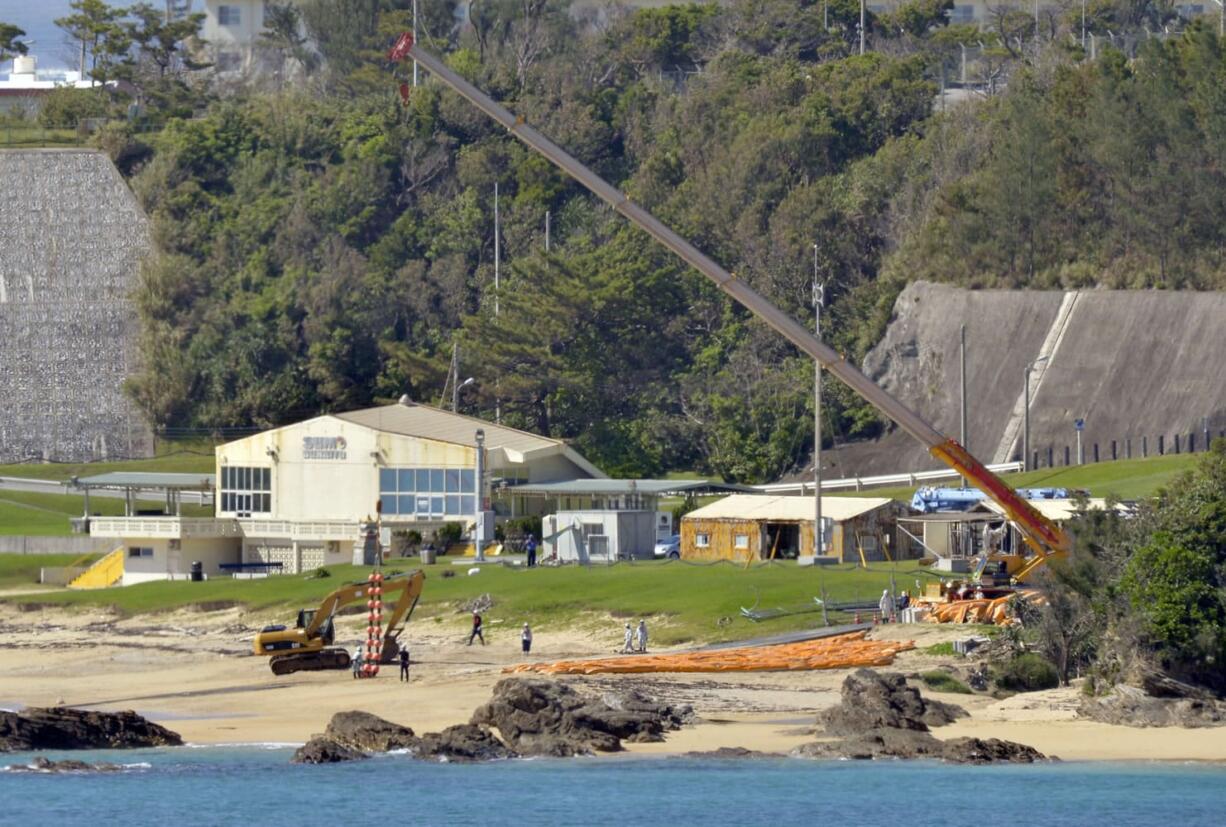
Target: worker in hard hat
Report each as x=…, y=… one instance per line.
x=886, y=605
x=628, y=646
x=525, y=638
x=642, y=635
x=357, y=661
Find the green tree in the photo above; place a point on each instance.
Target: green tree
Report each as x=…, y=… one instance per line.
x=11, y=44
x=101, y=37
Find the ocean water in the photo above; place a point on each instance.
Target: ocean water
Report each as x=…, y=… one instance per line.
x=258, y=786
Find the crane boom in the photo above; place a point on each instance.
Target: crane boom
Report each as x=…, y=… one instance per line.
x=1040, y=533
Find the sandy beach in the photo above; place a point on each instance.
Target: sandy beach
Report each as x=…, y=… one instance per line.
x=192, y=672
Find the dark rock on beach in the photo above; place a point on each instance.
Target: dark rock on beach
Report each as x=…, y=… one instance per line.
x=323, y=750
x=65, y=728
x=876, y=700
x=543, y=717
x=1133, y=706
x=42, y=764
x=729, y=753
x=368, y=733
x=463, y=743
x=880, y=716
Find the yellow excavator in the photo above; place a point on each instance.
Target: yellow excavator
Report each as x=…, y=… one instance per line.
x=309, y=645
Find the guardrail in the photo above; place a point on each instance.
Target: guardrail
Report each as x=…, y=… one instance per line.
x=860, y=483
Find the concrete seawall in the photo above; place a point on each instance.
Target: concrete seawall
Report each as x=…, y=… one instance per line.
x=1129, y=363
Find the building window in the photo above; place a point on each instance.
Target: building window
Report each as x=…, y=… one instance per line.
x=702, y=540
x=962, y=14
x=229, y=16
x=142, y=551
x=741, y=541
x=428, y=493
x=246, y=490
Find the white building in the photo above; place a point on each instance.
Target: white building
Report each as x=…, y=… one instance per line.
x=299, y=497
x=232, y=29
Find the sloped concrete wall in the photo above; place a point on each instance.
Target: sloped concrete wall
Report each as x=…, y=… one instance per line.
x=71, y=240
x=1130, y=363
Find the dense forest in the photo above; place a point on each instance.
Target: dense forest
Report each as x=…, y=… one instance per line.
x=322, y=245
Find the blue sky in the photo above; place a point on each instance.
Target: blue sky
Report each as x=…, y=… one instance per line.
x=35, y=17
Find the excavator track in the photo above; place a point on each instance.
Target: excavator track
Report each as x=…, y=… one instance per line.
x=310, y=661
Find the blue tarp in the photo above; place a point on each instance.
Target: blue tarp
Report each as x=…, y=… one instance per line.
x=929, y=499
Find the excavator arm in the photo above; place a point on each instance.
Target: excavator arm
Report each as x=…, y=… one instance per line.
x=1042, y=535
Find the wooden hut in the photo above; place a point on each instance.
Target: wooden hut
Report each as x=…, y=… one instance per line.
x=763, y=527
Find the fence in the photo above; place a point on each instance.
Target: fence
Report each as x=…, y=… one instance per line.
x=1191, y=441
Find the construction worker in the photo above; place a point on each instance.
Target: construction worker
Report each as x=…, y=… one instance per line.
x=886, y=605
x=629, y=644
x=525, y=639
x=642, y=634
x=530, y=545
x=404, y=665
x=357, y=661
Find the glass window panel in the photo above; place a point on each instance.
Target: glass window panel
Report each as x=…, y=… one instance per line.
x=246, y=486
x=225, y=476
x=390, y=504
x=266, y=503
x=387, y=480
x=423, y=506
x=436, y=506
x=266, y=479
x=453, y=480
x=423, y=480
x=436, y=480
x=406, y=504
x=225, y=500
x=468, y=481
x=468, y=504
x=406, y=480
x=453, y=504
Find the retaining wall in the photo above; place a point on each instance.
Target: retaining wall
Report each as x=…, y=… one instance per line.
x=71, y=240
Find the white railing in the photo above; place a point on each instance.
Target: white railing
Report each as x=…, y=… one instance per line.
x=308, y=530
x=157, y=495
x=859, y=483
x=174, y=527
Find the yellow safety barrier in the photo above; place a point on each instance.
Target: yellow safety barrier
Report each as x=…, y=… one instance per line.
x=106, y=572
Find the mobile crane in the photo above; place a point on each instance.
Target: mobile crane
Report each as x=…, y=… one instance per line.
x=1044, y=537
x=308, y=646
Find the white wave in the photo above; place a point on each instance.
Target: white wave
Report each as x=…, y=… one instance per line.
x=247, y=745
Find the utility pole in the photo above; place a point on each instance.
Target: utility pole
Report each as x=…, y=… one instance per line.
x=455, y=377
x=819, y=300
x=862, y=26
x=1083, y=25
x=962, y=382
x=497, y=262
x=546, y=231
x=479, y=516
x=415, y=40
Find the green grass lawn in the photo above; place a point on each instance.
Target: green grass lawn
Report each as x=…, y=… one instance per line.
x=47, y=515
x=181, y=460
x=1126, y=479
x=22, y=569
x=683, y=603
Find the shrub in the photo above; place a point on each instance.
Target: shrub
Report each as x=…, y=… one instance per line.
x=939, y=681
x=1028, y=673
x=946, y=648
x=450, y=533
x=67, y=107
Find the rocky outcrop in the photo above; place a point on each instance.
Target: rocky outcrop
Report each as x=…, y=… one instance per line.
x=351, y=736
x=462, y=743
x=42, y=764
x=542, y=717
x=534, y=716
x=875, y=700
x=323, y=750
x=880, y=716
x=729, y=754
x=1131, y=706
x=368, y=733
x=64, y=728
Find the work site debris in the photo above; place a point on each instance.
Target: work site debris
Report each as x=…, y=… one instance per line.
x=984, y=610
x=839, y=652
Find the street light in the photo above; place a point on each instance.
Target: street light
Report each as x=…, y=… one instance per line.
x=819, y=301
x=1026, y=413
x=455, y=393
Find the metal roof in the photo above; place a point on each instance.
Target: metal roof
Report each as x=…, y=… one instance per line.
x=607, y=487
x=1060, y=510
x=760, y=507
x=426, y=422
x=147, y=479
